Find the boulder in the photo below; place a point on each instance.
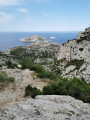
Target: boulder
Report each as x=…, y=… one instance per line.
x=47, y=108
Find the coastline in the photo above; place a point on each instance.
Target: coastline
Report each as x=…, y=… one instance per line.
x=9, y=40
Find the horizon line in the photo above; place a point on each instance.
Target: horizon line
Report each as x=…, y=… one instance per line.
x=39, y=31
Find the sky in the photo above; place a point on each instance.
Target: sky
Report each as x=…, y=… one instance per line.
x=44, y=15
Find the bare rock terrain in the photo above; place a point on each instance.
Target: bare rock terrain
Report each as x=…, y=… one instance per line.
x=76, y=50
x=15, y=91
x=47, y=108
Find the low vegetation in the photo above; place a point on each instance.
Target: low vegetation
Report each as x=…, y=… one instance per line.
x=9, y=64
x=83, y=38
x=55, y=67
x=77, y=63
x=23, y=52
x=41, y=72
x=30, y=91
x=76, y=88
x=3, y=54
x=17, y=51
x=5, y=80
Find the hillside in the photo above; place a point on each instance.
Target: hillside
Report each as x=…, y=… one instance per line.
x=55, y=72
x=71, y=59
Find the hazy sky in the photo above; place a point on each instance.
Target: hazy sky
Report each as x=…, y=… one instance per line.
x=44, y=15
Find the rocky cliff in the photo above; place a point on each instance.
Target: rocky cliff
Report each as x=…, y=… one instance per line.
x=75, y=55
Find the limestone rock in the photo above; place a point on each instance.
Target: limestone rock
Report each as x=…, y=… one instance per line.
x=47, y=108
x=80, y=34
x=70, y=68
x=76, y=49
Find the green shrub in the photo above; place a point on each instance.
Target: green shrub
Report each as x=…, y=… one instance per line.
x=41, y=72
x=17, y=51
x=5, y=80
x=11, y=65
x=76, y=88
x=54, y=67
x=3, y=54
x=83, y=38
x=30, y=91
x=77, y=63
x=11, y=79
x=49, y=75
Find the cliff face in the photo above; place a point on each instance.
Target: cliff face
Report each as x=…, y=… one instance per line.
x=76, y=50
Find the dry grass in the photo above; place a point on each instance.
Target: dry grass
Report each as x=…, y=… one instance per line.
x=47, y=80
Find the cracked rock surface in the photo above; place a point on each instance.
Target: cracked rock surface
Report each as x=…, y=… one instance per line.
x=47, y=108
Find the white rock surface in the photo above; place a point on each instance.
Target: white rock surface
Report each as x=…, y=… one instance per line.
x=71, y=50
x=74, y=50
x=47, y=108
x=70, y=68
x=15, y=91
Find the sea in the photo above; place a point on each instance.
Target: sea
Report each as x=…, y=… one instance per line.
x=12, y=39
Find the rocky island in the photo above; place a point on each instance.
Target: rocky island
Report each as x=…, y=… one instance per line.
x=57, y=77
x=52, y=37
x=33, y=39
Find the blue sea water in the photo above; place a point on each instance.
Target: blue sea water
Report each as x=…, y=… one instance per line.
x=12, y=39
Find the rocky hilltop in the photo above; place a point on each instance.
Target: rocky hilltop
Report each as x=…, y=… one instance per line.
x=75, y=56
x=47, y=108
x=34, y=38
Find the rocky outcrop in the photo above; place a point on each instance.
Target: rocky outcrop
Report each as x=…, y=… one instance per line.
x=47, y=108
x=73, y=50
x=76, y=49
x=5, y=58
x=34, y=38
x=85, y=34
